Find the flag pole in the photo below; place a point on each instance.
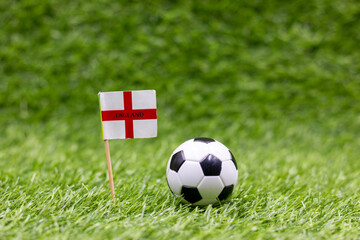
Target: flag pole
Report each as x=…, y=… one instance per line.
x=108, y=160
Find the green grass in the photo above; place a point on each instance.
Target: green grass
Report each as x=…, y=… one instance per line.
x=276, y=82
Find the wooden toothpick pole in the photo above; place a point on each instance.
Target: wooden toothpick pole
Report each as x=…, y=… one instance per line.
x=108, y=160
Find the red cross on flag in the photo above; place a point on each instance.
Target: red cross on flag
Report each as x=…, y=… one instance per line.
x=128, y=114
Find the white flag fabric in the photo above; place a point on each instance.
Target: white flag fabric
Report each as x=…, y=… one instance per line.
x=128, y=114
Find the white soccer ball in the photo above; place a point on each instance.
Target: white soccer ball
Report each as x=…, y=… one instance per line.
x=202, y=171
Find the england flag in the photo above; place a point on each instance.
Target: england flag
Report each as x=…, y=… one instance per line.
x=128, y=114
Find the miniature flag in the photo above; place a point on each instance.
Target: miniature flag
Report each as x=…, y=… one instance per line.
x=128, y=114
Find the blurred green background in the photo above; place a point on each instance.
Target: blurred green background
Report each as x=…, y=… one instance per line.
x=278, y=82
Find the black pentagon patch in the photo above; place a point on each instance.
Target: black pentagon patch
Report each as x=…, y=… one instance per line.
x=233, y=159
x=177, y=160
x=191, y=194
x=211, y=165
x=204, y=140
x=225, y=193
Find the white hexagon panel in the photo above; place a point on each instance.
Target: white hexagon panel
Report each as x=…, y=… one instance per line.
x=229, y=173
x=210, y=187
x=219, y=150
x=195, y=151
x=174, y=182
x=190, y=174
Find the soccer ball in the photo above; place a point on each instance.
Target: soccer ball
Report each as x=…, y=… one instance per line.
x=202, y=171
